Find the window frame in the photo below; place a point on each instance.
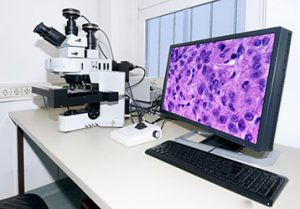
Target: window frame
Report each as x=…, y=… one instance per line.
x=163, y=7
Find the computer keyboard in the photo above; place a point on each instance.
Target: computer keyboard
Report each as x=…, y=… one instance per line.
x=257, y=184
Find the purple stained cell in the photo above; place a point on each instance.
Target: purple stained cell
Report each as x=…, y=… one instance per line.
x=262, y=84
x=245, y=85
x=201, y=89
x=206, y=60
x=202, y=54
x=232, y=127
x=224, y=100
x=204, y=70
x=194, y=53
x=171, y=105
x=234, y=118
x=216, y=112
x=256, y=65
x=181, y=94
x=249, y=116
x=223, y=119
x=221, y=46
x=199, y=66
x=265, y=40
x=190, y=59
x=231, y=107
x=215, y=82
x=222, y=55
x=211, y=76
x=257, y=42
x=256, y=58
x=231, y=94
x=240, y=50
x=256, y=74
x=257, y=120
x=242, y=125
x=181, y=63
x=248, y=137
x=233, y=75
x=188, y=73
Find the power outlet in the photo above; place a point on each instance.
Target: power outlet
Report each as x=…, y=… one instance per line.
x=26, y=91
x=16, y=92
x=4, y=92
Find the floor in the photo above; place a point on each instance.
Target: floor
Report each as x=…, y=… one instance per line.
x=63, y=194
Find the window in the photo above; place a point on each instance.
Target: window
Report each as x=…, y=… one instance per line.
x=199, y=22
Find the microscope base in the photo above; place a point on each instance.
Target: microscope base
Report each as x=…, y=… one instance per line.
x=80, y=121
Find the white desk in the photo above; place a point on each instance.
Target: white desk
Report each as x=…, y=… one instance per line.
x=125, y=178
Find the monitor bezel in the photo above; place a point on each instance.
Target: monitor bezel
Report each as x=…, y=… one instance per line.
x=262, y=144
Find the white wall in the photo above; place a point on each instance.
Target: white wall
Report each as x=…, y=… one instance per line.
x=22, y=61
x=118, y=18
x=285, y=13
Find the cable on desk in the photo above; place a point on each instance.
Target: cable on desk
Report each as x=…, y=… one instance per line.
x=143, y=77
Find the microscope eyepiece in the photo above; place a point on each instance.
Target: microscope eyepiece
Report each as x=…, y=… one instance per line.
x=49, y=34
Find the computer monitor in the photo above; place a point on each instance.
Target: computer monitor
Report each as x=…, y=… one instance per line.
x=230, y=86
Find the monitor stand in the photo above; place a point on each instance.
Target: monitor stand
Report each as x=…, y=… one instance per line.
x=225, y=148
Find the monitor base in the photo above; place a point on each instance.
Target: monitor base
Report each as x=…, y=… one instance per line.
x=221, y=147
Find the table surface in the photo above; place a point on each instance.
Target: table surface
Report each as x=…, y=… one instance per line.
x=118, y=177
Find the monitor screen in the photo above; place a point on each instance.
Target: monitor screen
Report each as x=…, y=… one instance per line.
x=221, y=83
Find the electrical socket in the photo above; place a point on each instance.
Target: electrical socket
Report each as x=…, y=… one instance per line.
x=26, y=91
x=5, y=92
x=16, y=91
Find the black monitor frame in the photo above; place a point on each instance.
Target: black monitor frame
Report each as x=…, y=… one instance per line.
x=274, y=88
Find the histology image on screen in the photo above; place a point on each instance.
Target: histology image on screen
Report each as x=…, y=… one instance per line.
x=220, y=84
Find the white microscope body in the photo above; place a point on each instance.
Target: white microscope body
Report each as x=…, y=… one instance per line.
x=90, y=80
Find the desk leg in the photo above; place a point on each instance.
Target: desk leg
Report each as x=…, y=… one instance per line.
x=20, y=138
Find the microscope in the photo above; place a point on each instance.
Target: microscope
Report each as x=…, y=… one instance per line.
x=91, y=81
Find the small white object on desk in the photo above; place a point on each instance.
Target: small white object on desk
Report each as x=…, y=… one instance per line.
x=131, y=135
